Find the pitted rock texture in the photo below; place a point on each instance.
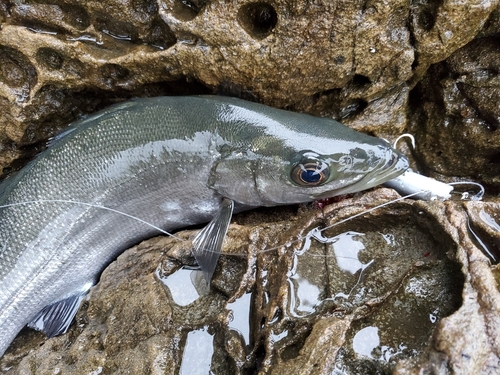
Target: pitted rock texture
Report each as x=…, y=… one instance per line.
x=392, y=290
x=429, y=68
x=356, y=61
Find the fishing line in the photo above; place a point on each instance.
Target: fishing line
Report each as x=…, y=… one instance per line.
x=465, y=195
x=311, y=235
x=94, y=206
x=287, y=244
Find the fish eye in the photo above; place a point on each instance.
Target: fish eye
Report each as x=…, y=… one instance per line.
x=310, y=173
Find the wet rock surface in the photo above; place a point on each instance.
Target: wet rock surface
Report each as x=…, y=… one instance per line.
x=391, y=290
x=410, y=288
x=356, y=61
x=456, y=113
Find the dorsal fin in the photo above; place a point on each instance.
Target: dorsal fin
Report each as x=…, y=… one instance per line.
x=63, y=133
x=89, y=119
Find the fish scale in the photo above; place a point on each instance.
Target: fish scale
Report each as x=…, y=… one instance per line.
x=172, y=162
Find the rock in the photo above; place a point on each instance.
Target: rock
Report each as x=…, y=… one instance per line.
x=456, y=112
x=441, y=28
x=410, y=282
x=395, y=288
x=60, y=60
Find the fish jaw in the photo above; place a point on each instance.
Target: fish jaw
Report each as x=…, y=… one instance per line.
x=396, y=164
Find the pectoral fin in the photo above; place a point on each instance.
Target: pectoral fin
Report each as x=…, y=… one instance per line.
x=56, y=318
x=208, y=242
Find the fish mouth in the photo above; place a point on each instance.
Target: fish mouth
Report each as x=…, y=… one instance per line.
x=395, y=165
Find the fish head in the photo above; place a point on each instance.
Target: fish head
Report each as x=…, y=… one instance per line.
x=311, y=175
x=297, y=158
x=307, y=175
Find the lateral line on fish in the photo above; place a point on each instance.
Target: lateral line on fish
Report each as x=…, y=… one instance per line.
x=94, y=206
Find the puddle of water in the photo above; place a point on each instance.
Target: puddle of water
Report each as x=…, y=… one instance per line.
x=402, y=270
x=40, y=31
x=185, y=285
x=334, y=268
x=240, y=316
x=198, y=352
x=277, y=337
x=305, y=288
x=483, y=238
x=304, y=296
x=346, y=249
x=490, y=253
x=401, y=326
x=365, y=341
x=86, y=38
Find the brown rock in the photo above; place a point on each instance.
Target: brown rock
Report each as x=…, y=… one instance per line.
x=398, y=287
x=417, y=277
x=60, y=60
x=457, y=111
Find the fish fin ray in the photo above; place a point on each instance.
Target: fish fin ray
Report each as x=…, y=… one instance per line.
x=56, y=318
x=207, y=244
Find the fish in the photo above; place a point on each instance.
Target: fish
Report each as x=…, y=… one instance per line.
x=170, y=161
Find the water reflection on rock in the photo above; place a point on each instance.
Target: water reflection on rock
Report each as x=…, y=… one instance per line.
x=197, y=354
x=184, y=285
x=378, y=294
x=240, y=316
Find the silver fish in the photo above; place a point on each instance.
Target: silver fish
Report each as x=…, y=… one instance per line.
x=171, y=161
